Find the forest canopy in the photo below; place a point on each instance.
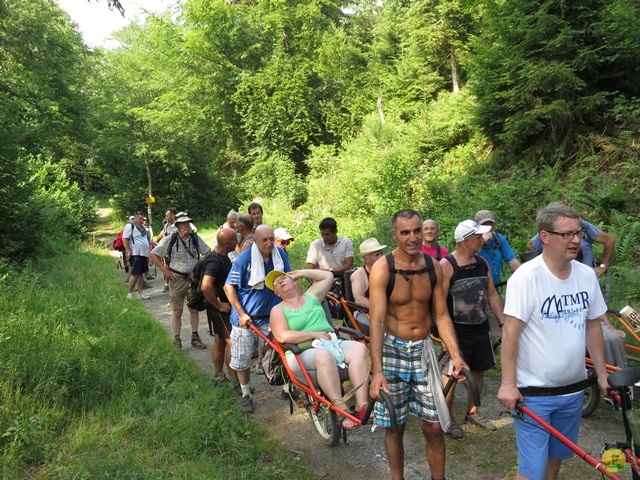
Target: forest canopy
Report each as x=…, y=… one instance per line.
x=323, y=108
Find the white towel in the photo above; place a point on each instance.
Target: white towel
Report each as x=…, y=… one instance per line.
x=256, y=279
x=333, y=346
x=431, y=372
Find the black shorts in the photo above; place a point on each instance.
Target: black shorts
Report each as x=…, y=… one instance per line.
x=221, y=322
x=139, y=264
x=477, y=352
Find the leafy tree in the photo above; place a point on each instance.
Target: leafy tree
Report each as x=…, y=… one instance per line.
x=546, y=71
x=156, y=135
x=43, y=123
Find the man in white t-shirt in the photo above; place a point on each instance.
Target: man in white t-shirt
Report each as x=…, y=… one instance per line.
x=552, y=311
x=136, y=243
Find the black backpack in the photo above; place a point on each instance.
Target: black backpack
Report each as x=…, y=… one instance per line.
x=198, y=301
x=274, y=370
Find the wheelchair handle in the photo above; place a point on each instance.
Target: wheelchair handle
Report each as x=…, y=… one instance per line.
x=472, y=384
x=392, y=411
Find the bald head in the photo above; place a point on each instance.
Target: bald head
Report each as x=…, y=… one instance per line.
x=227, y=240
x=265, y=240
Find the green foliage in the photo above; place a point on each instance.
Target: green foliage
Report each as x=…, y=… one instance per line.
x=625, y=268
x=45, y=211
x=275, y=177
x=545, y=72
x=90, y=386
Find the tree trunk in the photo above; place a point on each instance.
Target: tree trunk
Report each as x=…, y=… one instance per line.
x=380, y=110
x=454, y=72
x=147, y=166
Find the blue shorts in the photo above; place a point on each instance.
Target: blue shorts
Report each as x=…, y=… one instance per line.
x=536, y=445
x=408, y=388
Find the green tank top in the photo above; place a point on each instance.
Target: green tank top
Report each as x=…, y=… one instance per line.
x=310, y=318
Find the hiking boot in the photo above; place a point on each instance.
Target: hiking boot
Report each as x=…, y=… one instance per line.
x=218, y=379
x=165, y=289
x=129, y=296
x=234, y=383
x=246, y=405
x=479, y=420
x=177, y=342
x=196, y=342
x=142, y=296
x=455, y=430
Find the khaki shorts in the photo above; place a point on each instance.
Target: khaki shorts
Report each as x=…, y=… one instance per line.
x=179, y=293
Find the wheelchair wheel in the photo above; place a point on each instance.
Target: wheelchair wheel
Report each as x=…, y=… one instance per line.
x=326, y=422
x=591, y=398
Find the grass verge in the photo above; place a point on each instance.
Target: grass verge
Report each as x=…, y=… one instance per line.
x=90, y=387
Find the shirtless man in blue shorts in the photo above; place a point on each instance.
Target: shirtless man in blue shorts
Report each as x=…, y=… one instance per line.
x=400, y=326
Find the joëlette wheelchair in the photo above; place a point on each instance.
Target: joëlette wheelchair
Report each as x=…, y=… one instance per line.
x=342, y=305
x=323, y=411
x=592, y=393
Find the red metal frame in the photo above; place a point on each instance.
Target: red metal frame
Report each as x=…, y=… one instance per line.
x=309, y=390
x=594, y=462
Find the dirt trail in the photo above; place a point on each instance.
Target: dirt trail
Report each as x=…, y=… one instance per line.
x=363, y=456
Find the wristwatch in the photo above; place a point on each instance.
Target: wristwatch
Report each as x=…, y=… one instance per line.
x=602, y=265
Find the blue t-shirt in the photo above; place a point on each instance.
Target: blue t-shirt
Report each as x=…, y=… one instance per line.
x=254, y=302
x=590, y=231
x=494, y=252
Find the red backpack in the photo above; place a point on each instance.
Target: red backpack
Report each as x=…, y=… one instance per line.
x=117, y=243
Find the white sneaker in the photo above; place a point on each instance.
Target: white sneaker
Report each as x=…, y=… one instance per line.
x=142, y=296
x=129, y=296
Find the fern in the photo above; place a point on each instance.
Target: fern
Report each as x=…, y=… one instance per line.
x=625, y=268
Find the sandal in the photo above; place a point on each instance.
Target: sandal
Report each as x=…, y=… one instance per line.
x=341, y=424
x=341, y=418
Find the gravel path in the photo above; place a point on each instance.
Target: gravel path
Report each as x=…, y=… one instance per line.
x=363, y=456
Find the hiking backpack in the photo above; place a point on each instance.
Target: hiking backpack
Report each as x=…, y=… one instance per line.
x=430, y=269
x=118, y=244
x=198, y=301
x=274, y=370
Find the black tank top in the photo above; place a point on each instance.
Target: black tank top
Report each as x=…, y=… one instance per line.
x=467, y=299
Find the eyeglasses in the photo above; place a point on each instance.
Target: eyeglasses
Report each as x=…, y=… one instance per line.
x=280, y=280
x=567, y=235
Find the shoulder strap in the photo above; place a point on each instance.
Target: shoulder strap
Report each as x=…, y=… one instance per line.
x=195, y=239
x=438, y=252
x=432, y=272
x=481, y=261
x=132, y=240
x=405, y=273
x=452, y=260
x=172, y=242
x=497, y=238
x=392, y=274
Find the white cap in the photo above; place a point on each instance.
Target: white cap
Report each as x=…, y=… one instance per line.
x=467, y=228
x=283, y=234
